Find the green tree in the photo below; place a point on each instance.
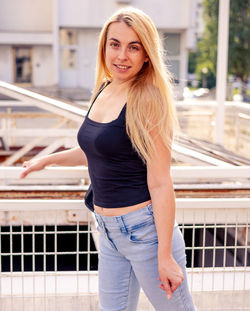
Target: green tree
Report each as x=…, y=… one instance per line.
x=239, y=33
x=239, y=36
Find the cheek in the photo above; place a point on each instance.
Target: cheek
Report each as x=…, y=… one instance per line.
x=110, y=54
x=140, y=62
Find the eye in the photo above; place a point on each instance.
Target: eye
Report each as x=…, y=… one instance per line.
x=134, y=48
x=114, y=44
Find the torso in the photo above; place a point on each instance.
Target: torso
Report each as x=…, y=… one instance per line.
x=108, y=105
x=105, y=109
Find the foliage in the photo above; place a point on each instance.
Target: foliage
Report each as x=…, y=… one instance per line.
x=239, y=34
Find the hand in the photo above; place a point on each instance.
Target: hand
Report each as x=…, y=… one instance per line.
x=170, y=275
x=32, y=165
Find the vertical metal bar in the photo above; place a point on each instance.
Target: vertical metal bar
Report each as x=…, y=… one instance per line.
x=235, y=251
x=56, y=41
x=55, y=258
x=192, y=251
x=22, y=258
x=88, y=251
x=245, y=255
x=44, y=265
x=225, y=252
x=33, y=262
x=1, y=268
x=214, y=246
x=203, y=251
x=221, y=75
x=77, y=256
x=11, y=264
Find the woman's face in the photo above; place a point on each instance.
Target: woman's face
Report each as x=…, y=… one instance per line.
x=125, y=54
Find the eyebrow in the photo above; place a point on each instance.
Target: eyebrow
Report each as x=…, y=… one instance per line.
x=132, y=42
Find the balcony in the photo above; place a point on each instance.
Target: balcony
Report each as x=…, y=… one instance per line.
x=49, y=248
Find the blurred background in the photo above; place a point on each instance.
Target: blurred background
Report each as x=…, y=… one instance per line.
x=48, y=239
x=50, y=47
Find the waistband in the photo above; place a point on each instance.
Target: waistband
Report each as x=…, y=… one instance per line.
x=129, y=217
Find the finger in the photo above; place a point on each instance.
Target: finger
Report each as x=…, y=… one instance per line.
x=167, y=289
x=176, y=283
x=162, y=287
x=25, y=163
x=25, y=173
x=174, y=287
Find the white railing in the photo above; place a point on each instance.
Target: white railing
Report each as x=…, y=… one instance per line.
x=73, y=175
x=49, y=248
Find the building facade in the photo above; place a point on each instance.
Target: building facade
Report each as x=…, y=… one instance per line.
x=54, y=42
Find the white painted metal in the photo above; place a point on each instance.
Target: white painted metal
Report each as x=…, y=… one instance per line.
x=192, y=214
x=196, y=158
x=226, y=214
x=221, y=76
x=21, y=152
x=30, y=132
x=51, y=148
x=56, y=55
x=43, y=102
x=186, y=103
x=14, y=103
x=10, y=175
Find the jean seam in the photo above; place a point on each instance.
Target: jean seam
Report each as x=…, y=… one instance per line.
x=184, y=300
x=130, y=272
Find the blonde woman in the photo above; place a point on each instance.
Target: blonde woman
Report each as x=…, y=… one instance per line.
x=125, y=140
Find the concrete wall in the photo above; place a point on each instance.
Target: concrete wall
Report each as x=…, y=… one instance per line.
x=6, y=71
x=36, y=23
x=26, y=15
x=204, y=301
x=93, y=13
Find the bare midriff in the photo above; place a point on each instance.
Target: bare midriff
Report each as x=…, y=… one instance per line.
x=120, y=210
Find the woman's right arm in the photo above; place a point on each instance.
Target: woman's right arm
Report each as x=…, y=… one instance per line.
x=71, y=157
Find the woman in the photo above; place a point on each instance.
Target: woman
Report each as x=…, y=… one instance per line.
x=125, y=140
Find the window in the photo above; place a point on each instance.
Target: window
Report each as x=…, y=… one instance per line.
x=172, y=43
x=22, y=65
x=68, y=42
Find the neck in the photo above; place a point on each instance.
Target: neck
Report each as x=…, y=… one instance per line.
x=121, y=85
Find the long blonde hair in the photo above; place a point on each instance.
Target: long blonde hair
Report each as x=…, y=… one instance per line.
x=149, y=101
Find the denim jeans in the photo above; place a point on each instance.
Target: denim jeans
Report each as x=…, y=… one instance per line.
x=128, y=261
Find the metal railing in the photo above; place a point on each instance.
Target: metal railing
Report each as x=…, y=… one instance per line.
x=49, y=248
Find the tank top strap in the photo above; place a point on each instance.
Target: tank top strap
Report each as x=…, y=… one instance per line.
x=102, y=87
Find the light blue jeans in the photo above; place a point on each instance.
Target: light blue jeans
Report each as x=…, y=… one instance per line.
x=128, y=261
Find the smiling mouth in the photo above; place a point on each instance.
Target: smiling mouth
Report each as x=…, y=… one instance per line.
x=122, y=66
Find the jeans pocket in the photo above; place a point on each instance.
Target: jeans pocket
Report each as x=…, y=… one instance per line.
x=145, y=234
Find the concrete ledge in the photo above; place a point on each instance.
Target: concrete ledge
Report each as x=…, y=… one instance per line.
x=205, y=301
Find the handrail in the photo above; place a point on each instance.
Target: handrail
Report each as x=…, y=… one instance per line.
x=44, y=102
x=178, y=172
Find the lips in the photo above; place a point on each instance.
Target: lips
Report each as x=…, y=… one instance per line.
x=122, y=67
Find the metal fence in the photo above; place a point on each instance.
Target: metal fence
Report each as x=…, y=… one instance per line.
x=49, y=250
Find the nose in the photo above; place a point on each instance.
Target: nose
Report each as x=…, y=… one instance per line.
x=122, y=54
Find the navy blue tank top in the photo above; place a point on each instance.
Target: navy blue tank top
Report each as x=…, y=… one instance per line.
x=117, y=173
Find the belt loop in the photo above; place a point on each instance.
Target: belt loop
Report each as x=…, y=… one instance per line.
x=121, y=223
x=150, y=208
x=99, y=220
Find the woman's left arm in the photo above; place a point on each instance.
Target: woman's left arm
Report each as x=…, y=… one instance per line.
x=163, y=201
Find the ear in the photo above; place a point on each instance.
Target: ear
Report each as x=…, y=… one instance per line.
x=146, y=59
